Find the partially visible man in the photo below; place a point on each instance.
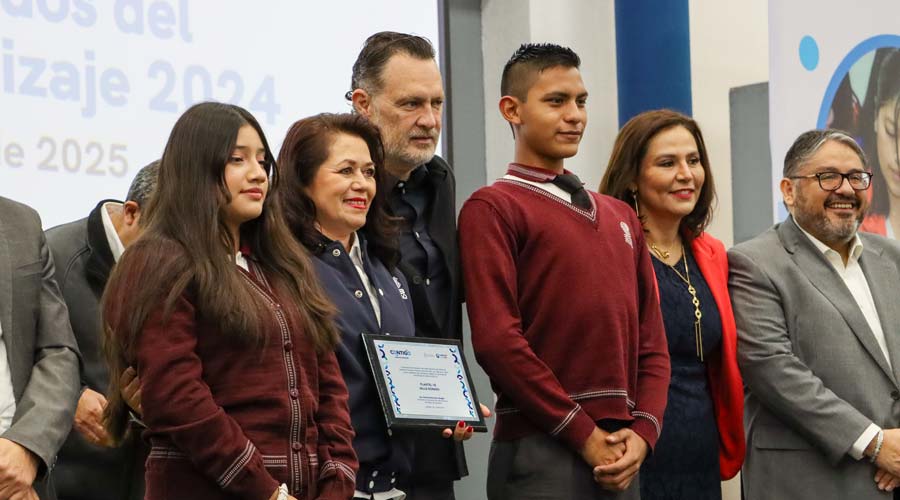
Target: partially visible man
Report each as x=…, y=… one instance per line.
x=818, y=321
x=85, y=252
x=38, y=358
x=397, y=85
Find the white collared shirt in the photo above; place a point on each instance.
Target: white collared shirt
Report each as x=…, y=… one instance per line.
x=546, y=186
x=357, y=258
x=241, y=261
x=7, y=395
x=112, y=237
x=855, y=280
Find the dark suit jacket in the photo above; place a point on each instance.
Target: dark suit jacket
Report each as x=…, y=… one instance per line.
x=83, y=263
x=40, y=347
x=436, y=457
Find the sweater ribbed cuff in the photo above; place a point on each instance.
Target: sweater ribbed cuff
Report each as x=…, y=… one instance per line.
x=646, y=426
x=337, y=487
x=576, y=433
x=253, y=485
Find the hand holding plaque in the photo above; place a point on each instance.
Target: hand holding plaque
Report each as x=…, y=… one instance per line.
x=423, y=383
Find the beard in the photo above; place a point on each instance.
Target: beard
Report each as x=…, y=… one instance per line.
x=399, y=148
x=825, y=228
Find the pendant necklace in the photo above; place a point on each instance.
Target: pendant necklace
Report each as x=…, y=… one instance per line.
x=686, y=278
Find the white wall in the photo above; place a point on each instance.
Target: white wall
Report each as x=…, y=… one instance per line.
x=729, y=48
x=588, y=27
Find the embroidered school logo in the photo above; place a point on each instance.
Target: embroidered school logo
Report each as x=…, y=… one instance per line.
x=400, y=288
x=627, y=233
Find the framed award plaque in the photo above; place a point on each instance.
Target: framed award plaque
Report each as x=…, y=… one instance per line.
x=423, y=382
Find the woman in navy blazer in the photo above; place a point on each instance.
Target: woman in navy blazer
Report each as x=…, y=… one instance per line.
x=332, y=167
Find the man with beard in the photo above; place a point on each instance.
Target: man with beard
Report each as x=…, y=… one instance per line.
x=396, y=84
x=818, y=320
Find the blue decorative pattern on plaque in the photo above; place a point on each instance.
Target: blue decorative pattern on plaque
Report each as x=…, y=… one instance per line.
x=390, y=381
x=462, y=382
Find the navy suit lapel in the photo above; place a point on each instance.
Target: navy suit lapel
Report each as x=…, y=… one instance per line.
x=825, y=279
x=389, y=298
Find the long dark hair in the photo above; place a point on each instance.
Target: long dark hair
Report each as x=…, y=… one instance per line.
x=884, y=86
x=186, y=245
x=306, y=146
x=629, y=151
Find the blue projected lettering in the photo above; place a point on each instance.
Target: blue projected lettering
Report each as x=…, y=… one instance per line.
x=63, y=80
x=81, y=12
x=159, y=18
x=195, y=83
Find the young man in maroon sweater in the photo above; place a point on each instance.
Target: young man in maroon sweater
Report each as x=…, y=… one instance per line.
x=563, y=304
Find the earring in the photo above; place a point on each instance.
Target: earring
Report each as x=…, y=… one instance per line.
x=634, y=197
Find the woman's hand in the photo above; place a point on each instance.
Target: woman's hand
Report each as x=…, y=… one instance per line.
x=462, y=432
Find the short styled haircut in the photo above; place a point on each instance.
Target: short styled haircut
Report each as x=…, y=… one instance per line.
x=377, y=51
x=529, y=60
x=809, y=143
x=143, y=184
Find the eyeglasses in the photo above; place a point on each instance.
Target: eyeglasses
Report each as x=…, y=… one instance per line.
x=832, y=181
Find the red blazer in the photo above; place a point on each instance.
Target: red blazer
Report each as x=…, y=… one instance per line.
x=724, y=378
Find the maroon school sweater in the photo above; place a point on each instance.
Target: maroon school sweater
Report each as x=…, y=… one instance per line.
x=231, y=421
x=564, y=312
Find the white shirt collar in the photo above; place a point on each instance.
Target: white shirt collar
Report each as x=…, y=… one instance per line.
x=546, y=186
x=112, y=237
x=356, y=250
x=241, y=261
x=856, y=246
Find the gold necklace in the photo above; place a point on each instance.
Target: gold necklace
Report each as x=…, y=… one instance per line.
x=698, y=332
x=662, y=254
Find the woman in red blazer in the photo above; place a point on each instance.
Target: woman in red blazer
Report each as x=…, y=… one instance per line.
x=660, y=167
x=220, y=311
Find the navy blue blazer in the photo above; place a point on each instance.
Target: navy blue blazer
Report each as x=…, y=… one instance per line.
x=385, y=459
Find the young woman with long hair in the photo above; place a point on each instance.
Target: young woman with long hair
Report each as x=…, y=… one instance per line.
x=220, y=311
